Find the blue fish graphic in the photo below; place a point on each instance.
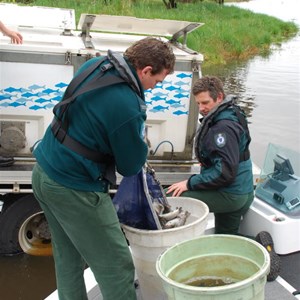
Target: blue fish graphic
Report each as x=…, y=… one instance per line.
x=184, y=75
x=61, y=85
x=4, y=104
x=12, y=89
x=154, y=110
x=23, y=90
x=5, y=97
x=159, y=94
x=29, y=95
x=180, y=95
x=180, y=112
x=22, y=100
x=172, y=101
x=160, y=108
x=177, y=105
x=16, y=104
x=49, y=105
x=158, y=98
x=36, y=107
x=57, y=98
x=171, y=88
x=42, y=100
x=36, y=87
x=41, y=94
x=49, y=91
x=180, y=83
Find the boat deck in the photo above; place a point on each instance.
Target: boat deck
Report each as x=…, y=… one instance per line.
x=287, y=283
x=273, y=291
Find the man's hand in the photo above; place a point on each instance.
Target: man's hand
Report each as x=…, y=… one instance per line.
x=177, y=188
x=16, y=37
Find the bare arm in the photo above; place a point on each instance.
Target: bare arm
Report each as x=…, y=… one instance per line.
x=16, y=37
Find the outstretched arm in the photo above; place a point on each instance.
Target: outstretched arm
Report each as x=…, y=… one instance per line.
x=16, y=37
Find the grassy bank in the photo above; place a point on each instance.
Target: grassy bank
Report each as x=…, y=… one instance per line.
x=229, y=32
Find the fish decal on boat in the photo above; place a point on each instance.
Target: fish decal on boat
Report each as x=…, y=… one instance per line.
x=25, y=97
x=165, y=98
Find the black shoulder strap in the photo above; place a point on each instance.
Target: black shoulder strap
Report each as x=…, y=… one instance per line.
x=76, y=81
x=59, y=125
x=242, y=120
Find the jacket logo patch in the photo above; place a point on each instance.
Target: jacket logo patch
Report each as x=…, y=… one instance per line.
x=220, y=139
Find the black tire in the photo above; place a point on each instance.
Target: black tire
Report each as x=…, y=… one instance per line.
x=8, y=200
x=265, y=239
x=275, y=266
x=12, y=219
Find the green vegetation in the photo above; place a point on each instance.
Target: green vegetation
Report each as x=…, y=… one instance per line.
x=229, y=33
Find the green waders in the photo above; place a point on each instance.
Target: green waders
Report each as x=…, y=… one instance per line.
x=85, y=229
x=227, y=208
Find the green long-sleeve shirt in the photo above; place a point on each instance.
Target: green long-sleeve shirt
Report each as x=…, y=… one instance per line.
x=110, y=120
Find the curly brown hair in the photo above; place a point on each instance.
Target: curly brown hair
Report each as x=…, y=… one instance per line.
x=152, y=52
x=210, y=84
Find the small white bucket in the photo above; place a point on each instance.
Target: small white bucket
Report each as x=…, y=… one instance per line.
x=147, y=245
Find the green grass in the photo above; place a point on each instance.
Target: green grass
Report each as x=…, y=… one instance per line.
x=229, y=33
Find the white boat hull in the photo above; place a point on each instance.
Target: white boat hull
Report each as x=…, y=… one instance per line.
x=284, y=230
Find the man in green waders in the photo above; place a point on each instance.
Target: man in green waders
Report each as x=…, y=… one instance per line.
x=95, y=130
x=225, y=182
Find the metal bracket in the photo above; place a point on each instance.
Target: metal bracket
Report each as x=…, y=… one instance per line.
x=183, y=33
x=85, y=31
x=196, y=66
x=16, y=188
x=68, y=58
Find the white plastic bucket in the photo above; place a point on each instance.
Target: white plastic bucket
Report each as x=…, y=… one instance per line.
x=241, y=263
x=147, y=245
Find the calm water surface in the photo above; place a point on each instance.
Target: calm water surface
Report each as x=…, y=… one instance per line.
x=269, y=86
x=269, y=91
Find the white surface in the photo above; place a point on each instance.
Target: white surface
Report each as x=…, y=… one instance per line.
x=262, y=217
x=147, y=245
x=127, y=24
x=37, y=16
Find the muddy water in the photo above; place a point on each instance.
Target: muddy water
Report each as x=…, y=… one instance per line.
x=24, y=277
x=213, y=270
x=268, y=88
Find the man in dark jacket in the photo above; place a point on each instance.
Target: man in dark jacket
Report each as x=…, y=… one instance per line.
x=73, y=189
x=225, y=182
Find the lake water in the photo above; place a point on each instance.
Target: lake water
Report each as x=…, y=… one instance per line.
x=268, y=88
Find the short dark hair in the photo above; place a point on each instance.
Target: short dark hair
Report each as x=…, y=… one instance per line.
x=152, y=52
x=210, y=84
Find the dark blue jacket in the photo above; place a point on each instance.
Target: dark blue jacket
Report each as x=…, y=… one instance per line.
x=220, y=151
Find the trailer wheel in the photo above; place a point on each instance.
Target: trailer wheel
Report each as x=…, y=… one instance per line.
x=23, y=228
